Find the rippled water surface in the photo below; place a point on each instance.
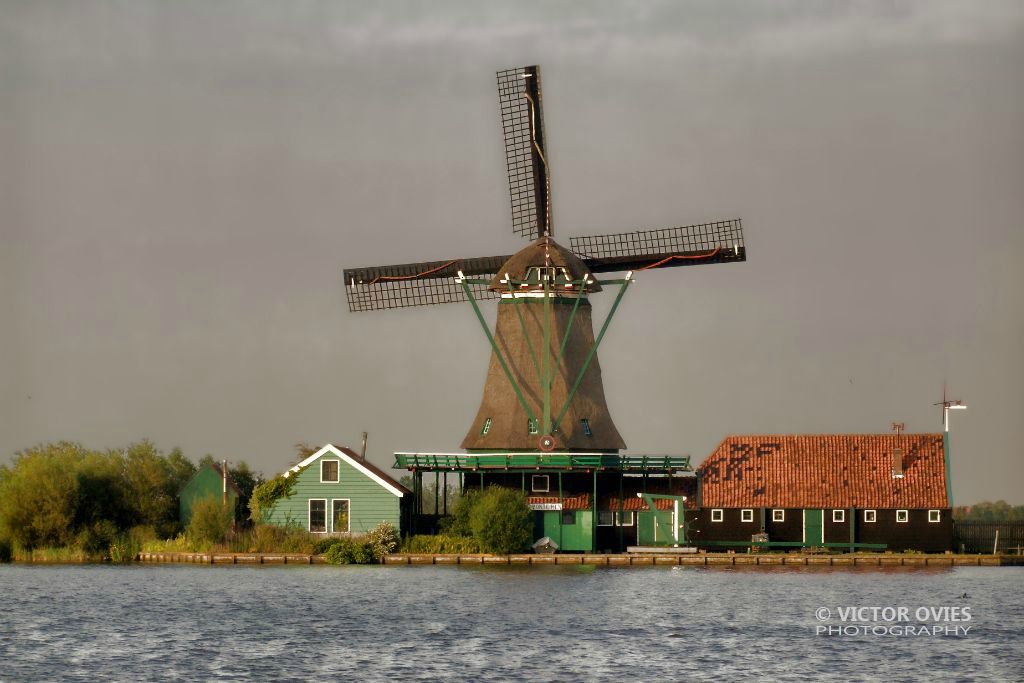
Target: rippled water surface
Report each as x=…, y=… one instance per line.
x=489, y=623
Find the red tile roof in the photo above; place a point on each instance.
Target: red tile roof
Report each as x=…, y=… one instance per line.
x=825, y=471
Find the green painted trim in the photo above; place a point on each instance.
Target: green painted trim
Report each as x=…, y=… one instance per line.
x=568, y=329
x=497, y=352
x=593, y=351
x=949, y=474
x=548, y=370
x=522, y=326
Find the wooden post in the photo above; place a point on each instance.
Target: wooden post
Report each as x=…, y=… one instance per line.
x=996, y=544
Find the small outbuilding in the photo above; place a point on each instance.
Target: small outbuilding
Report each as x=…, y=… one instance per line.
x=209, y=481
x=337, y=492
x=841, y=491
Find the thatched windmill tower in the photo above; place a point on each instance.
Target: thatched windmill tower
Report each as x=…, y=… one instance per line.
x=543, y=389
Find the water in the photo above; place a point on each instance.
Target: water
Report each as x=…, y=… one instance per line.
x=562, y=623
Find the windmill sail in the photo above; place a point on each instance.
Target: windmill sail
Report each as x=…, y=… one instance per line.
x=719, y=242
x=417, y=284
x=522, y=122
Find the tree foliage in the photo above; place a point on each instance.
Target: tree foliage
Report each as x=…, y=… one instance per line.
x=265, y=495
x=999, y=511
x=502, y=521
x=62, y=494
x=210, y=523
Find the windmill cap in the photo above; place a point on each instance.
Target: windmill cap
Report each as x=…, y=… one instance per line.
x=534, y=256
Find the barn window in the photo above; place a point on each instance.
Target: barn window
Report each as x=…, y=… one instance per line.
x=531, y=425
x=317, y=516
x=839, y=515
x=568, y=517
x=625, y=518
x=585, y=423
x=716, y=515
x=934, y=516
x=902, y=516
x=869, y=515
x=605, y=518
x=486, y=428
x=540, y=483
x=340, y=516
x=746, y=515
x=329, y=471
x=778, y=515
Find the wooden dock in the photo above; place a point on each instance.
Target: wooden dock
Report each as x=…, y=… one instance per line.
x=718, y=559
x=619, y=560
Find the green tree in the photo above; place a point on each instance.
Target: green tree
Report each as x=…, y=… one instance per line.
x=150, y=490
x=39, y=496
x=246, y=480
x=502, y=521
x=210, y=522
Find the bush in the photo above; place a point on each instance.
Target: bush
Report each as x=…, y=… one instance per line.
x=458, y=523
x=440, y=544
x=382, y=539
x=210, y=522
x=271, y=538
x=349, y=551
x=501, y=521
x=6, y=551
x=97, y=537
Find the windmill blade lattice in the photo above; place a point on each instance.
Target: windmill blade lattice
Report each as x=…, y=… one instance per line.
x=718, y=242
x=405, y=285
x=522, y=123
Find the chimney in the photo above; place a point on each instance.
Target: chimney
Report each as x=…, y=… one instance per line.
x=897, y=463
x=897, y=452
x=362, y=453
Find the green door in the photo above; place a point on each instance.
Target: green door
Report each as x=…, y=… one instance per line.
x=814, y=528
x=654, y=527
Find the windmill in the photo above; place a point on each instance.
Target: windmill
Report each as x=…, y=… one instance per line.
x=543, y=389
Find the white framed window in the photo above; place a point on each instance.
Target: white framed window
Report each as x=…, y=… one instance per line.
x=625, y=518
x=716, y=515
x=934, y=516
x=605, y=518
x=746, y=515
x=318, y=515
x=341, y=520
x=329, y=471
x=486, y=428
x=778, y=515
x=531, y=425
x=869, y=515
x=902, y=516
x=839, y=515
x=540, y=483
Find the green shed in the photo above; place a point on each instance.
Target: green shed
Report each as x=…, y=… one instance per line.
x=209, y=481
x=337, y=492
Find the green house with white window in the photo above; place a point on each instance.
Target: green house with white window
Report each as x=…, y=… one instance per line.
x=336, y=492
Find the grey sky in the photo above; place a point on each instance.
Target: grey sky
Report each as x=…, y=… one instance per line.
x=182, y=182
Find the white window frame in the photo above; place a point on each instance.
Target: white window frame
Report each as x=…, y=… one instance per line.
x=870, y=516
x=719, y=513
x=486, y=428
x=620, y=520
x=778, y=515
x=905, y=514
x=329, y=481
x=531, y=426
x=537, y=489
x=937, y=514
x=839, y=516
x=606, y=512
x=349, y=529
x=747, y=515
x=309, y=515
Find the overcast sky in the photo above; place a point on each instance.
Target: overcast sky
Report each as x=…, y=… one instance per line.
x=181, y=184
